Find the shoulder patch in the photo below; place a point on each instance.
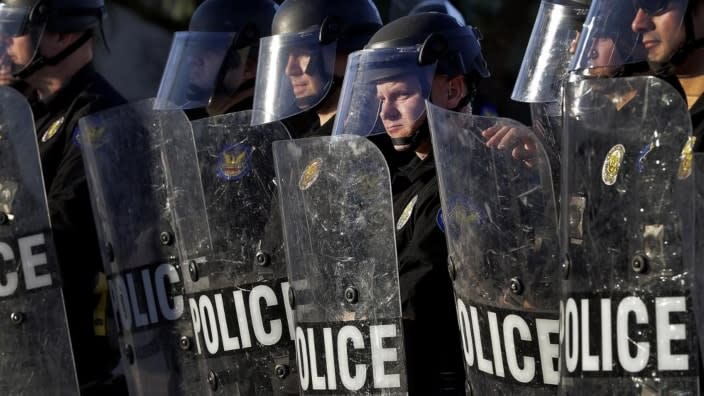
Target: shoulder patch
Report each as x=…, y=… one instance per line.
x=52, y=130
x=441, y=222
x=406, y=214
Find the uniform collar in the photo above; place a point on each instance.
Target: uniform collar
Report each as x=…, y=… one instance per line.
x=65, y=95
x=418, y=168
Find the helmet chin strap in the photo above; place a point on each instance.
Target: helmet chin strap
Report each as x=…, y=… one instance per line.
x=39, y=61
x=412, y=142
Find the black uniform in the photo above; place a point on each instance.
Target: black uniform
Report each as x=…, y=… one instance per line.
x=433, y=349
x=56, y=119
x=697, y=113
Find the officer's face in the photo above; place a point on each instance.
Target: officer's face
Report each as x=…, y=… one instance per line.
x=205, y=65
x=300, y=70
x=5, y=61
x=20, y=50
x=402, y=105
x=603, y=54
x=662, y=30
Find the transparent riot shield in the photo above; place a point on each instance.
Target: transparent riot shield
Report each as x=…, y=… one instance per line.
x=697, y=242
x=229, y=233
x=626, y=217
x=35, y=347
x=124, y=152
x=501, y=225
x=337, y=217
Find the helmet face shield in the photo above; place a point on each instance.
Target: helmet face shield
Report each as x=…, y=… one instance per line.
x=548, y=54
x=294, y=74
x=19, y=40
x=384, y=91
x=613, y=35
x=200, y=64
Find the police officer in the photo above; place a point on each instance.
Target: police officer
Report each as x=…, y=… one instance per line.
x=385, y=88
x=671, y=33
x=51, y=50
x=303, y=63
x=212, y=66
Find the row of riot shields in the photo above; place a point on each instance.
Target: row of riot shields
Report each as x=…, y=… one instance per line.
x=608, y=304
x=189, y=215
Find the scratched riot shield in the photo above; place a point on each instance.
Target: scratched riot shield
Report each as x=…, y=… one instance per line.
x=35, y=347
x=124, y=151
x=500, y=220
x=340, y=248
x=229, y=233
x=627, y=219
x=697, y=242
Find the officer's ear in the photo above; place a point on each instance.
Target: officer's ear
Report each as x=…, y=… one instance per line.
x=456, y=90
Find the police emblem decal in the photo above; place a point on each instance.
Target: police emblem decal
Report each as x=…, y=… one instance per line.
x=52, y=130
x=686, y=158
x=234, y=162
x=406, y=214
x=612, y=164
x=310, y=174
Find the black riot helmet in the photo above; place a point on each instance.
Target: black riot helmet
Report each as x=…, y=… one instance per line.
x=297, y=63
x=441, y=6
x=212, y=65
x=35, y=17
x=414, y=49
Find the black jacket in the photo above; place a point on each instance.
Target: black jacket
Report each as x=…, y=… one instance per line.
x=56, y=120
x=433, y=349
x=697, y=113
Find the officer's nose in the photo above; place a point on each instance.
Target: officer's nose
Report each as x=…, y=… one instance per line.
x=388, y=111
x=642, y=22
x=293, y=67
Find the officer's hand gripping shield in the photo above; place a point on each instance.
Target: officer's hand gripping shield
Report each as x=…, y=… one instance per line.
x=125, y=149
x=229, y=233
x=340, y=247
x=627, y=219
x=35, y=347
x=498, y=211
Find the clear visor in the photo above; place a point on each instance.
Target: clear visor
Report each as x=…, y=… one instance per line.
x=621, y=32
x=294, y=74
x=384, y=91
x=19, y=41
x=200, y=65
x=549, y=52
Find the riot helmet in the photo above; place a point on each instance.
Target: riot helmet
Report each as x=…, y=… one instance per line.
x=385, y=82
x=613, y=37
x=441, y=6
x=24, y=23
x=212, y=65
x=549, y=50
x=296, y=70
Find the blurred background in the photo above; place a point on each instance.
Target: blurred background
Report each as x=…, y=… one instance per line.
x=140, y=33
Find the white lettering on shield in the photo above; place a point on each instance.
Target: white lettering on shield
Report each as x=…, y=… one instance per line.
x=142, y=297
x=236, y=319
x=626, y=336
x=339, y=356
x=32, y=254
x=529, y=343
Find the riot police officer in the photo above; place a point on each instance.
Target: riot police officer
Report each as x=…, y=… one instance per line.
x=384, y=91
x=302, y=64
x=51, y=50
x=673, y=42
x=211, y=67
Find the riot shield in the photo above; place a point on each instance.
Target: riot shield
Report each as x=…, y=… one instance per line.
x=697, y=242
x=124, y=151
x=337, y=217
x=626, y=219
x=35, y=347
x=501, y=225
x=230, y=238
